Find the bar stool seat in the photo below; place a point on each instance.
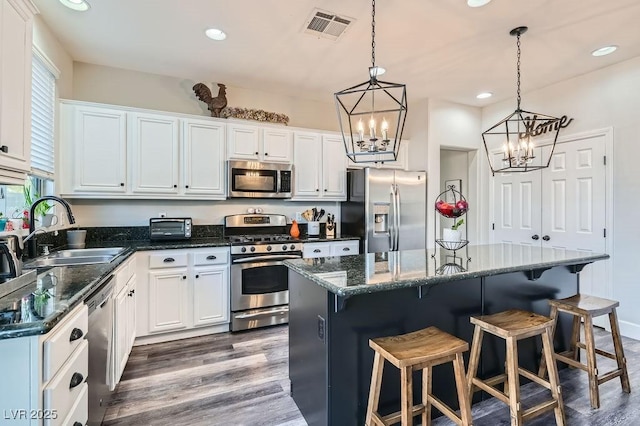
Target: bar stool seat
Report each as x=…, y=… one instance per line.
x=584, y=307
x=513, y=325
x=420, y=350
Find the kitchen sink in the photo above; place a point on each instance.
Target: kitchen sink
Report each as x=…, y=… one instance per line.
x=73, y=257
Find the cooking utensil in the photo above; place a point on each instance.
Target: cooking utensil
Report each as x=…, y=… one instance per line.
x=315, y=214
x=321, y=214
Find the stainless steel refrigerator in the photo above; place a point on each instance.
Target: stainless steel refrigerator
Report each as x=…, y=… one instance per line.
x=386, y=209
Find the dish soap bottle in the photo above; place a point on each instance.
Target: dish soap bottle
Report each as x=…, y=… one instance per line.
x=295, y=231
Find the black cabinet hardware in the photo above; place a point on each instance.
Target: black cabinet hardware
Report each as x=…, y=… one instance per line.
x=535, y=237
x=169, y=260
x=211, y=257
x=76, y=334
x=76, y=379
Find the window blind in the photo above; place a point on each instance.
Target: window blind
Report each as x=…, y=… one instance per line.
x=42, y=119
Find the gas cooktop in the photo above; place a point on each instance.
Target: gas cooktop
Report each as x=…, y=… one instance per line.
x=264, y=238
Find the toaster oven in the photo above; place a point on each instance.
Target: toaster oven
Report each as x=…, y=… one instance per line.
x=165, y=228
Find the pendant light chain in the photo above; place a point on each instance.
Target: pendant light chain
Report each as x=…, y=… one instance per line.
x=518, y=73
x=373, y=33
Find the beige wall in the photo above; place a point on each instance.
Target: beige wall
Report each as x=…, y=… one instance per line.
x=96, y=83
x=49, y=45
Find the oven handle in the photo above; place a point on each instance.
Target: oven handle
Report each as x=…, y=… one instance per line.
x=273, y=257
x=264, y=313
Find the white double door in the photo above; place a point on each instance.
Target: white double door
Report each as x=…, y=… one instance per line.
x=562, y=207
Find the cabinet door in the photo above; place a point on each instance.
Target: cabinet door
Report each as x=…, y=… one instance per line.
x=244, y=142
x=307, y=149
x=334, y=170
x=120, y=333
x=154, y=141
x=131, y=313
x=204, y=162
x=211, y=296
x=168, y=300
x=100, y=143
x=277, y=145
x=15, y=86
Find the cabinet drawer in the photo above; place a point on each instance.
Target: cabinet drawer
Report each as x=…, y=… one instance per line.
x=214, y=257
x=167, y=260
x=316, y=250
x=65, y=388
x=63, y=340
x=345, y=248
x=79, y=412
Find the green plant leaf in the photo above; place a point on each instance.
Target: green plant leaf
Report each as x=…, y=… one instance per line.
x=457, y=224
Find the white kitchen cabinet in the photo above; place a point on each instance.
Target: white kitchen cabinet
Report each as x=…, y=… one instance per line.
x=254, y=143
x=124, y=323
x=16, y=22
x=185, y=293
x=330, y=248
x=168, y=299
x=97, y=146
x=203, y=156
x=39, y=370
x=154, y=143
x=319, y=167
x=402, y=163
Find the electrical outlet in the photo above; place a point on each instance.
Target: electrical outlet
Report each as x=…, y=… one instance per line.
x=162, y=214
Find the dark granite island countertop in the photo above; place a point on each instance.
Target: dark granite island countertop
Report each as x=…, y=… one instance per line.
x=374, y=272
x=337, y=304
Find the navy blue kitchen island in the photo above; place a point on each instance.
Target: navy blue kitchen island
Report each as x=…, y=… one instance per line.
x=337, y=304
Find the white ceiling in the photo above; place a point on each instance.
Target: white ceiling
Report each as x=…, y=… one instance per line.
x=439, y=48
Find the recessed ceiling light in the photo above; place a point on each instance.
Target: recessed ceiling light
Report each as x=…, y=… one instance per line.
x=215, y=34
x=79, y=5
x=484, y=95
x=477, y=3
x=604, y=50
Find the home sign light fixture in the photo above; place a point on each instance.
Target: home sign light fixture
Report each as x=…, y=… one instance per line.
x=372, y=114
x=516, y=133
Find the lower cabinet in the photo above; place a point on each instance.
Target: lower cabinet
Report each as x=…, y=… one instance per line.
x=124, y=323
x=185, y=291
x=330, y=248
x=44, y=377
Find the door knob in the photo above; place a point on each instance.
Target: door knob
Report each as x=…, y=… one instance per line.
x=546, y=238
x=535, y=237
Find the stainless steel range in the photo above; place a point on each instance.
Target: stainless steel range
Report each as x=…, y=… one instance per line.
x=259, y=279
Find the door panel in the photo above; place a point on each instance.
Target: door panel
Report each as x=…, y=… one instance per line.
x=563, y=204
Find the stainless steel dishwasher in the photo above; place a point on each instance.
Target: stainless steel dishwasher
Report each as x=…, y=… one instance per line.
x=100, y=335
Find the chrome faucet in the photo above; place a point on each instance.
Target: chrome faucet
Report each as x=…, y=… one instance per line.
x=32, y=245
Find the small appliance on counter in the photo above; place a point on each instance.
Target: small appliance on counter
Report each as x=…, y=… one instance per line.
x=165, y=228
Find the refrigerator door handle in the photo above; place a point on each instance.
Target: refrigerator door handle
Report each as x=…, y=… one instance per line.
x=397, y=217
x=392, y=221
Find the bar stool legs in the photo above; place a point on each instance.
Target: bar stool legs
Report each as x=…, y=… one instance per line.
x=584, y=308
x=512, y=326
x=420, y=350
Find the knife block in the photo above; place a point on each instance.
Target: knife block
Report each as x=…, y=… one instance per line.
x=330, y=230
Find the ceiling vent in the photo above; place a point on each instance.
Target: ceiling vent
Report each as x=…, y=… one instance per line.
x=326, y=24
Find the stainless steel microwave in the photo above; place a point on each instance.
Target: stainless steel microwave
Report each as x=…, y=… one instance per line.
x=166, y=228
x=254, y=179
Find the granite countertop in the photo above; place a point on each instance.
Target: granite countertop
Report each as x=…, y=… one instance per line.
x=373, y=272
x=24, y=314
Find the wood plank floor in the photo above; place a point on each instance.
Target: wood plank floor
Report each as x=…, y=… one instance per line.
x=242, y=379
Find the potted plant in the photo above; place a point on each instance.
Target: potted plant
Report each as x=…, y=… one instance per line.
x=42, y=209
x=453, y=234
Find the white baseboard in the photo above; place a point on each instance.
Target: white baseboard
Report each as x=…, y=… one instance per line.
x=630, y=329
x=177, y=335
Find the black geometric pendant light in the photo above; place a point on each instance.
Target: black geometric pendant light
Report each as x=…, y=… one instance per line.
x=516, y=133
x=372, y=114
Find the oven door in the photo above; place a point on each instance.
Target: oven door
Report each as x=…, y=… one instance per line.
x=259, y=281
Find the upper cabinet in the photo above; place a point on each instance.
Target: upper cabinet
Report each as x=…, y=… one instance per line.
x=253, y=143
x=319, y=167
x=154, y=141
x=95, y=157
x=113, y=153
x=16, y=23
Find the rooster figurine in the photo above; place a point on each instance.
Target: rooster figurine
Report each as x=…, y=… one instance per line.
x=215, y=105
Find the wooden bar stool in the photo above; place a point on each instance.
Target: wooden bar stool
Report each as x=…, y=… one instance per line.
x=512, y=326
x=422, y=349
x=586, y=308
